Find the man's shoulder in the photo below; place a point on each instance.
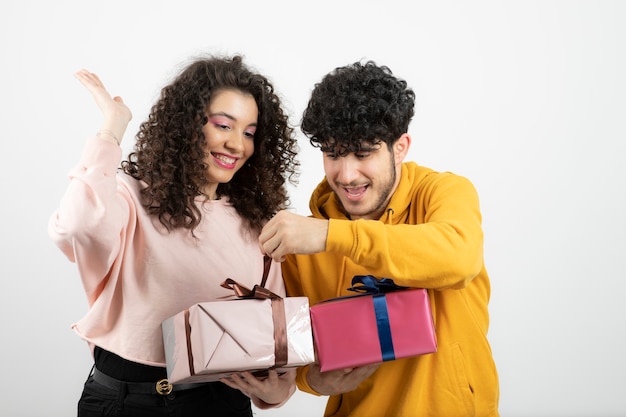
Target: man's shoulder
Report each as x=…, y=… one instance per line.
x=420, y=181
x=415, y=174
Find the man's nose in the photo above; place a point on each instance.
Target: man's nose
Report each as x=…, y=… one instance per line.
x=347, y=170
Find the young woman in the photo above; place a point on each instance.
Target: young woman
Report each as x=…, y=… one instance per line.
x=161, y=232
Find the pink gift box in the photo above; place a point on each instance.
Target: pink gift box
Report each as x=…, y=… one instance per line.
x=371, y=328
x=213, y=339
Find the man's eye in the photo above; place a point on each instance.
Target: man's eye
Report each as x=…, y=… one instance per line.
x=362, y=155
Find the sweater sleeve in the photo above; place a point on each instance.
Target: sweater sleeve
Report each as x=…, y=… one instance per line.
x=302, y=383
x=88, y=225
x=437, y=242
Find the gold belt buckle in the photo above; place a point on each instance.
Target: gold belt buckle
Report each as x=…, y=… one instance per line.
x=164, y=387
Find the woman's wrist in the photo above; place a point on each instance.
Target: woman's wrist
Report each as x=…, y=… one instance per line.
x=108, y=135
x=264, y=405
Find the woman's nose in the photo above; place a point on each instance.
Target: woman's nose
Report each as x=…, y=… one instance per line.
x=235, y=141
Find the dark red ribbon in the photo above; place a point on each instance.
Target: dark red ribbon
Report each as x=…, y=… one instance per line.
x=278, y=311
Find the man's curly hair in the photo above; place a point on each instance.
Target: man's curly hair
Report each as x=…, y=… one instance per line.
x=169, y=151
x=355, y=105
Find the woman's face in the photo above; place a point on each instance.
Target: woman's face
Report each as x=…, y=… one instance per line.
x=229, y=136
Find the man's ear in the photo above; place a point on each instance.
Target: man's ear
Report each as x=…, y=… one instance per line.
x=401, y=147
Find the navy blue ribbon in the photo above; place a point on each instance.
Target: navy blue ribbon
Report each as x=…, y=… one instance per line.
x=372, y=285
x=378, y=288
x=384, y=331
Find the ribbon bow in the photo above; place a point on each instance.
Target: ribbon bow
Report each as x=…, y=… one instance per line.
x=258, y=291
x=368, y=284
x=242, y=291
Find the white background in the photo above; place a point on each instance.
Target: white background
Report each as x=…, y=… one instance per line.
x=526, y=98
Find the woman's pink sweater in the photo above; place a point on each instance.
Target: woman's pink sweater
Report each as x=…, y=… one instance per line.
x=135, y=273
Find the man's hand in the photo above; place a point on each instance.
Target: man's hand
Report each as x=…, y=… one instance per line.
x=289, y=232
x=339, y=381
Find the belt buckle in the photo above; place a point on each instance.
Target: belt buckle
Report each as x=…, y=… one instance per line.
x=163, y=387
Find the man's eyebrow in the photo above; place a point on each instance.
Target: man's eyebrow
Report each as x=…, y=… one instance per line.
x=343, y=149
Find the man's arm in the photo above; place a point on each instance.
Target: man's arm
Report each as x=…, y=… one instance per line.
x=439, y=243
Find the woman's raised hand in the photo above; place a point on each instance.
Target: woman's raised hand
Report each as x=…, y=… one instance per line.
x=116, y=114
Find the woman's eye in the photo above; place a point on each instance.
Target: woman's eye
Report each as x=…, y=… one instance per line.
x=221, y=123
x=221, y=126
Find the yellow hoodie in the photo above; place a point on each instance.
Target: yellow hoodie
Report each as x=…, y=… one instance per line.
x=429, y=237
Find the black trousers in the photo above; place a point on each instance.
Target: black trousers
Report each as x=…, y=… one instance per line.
x=212, y=399
x=208, y=400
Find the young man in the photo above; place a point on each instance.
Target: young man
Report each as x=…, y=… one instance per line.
x=374, y=214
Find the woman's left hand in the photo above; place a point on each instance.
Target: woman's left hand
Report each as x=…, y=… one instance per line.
x=264, y=392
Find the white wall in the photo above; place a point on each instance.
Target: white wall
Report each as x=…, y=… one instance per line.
x=525, y=98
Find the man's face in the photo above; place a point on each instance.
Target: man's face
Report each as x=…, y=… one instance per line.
x=363, y=181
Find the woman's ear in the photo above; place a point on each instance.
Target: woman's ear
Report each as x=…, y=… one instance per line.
x=401, y=147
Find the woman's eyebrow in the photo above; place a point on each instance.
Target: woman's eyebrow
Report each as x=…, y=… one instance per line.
x=229, y=116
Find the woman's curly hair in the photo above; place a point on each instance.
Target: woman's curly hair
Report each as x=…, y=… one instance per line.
x=169, y=151
x=358, y=104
